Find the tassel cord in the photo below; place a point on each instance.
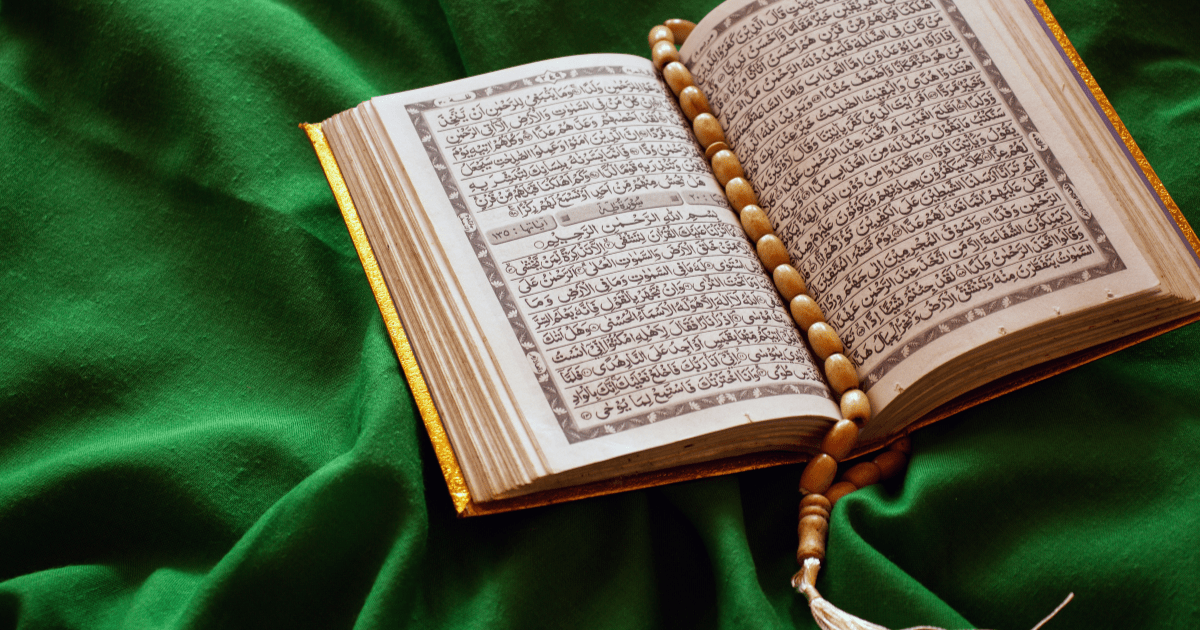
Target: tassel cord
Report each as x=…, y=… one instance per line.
x=805, y=580
x=830, y=617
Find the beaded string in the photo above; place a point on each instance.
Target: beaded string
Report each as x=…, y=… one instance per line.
x=817, y=482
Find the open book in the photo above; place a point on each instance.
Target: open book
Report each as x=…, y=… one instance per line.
x=583, y=312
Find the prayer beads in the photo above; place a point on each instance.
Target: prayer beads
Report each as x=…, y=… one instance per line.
x=863, y=475
x=824, y=340
x=693, y=103
x=817, y=480
x=772, y=252
x=661, y=33
x=884, y=466
x=840, y=372
x=681, y=29
x=740, y=192
x=677, y=76
x=714, y=148
x=708, y=131
x=726, y=166
x=663, y=53
x=789, y=281
x=855, y=406
x=756, y=223
x=841, y=439
x=805, y=312
x=818, y=475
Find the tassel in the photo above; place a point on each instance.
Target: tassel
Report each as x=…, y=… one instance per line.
x=830, y=617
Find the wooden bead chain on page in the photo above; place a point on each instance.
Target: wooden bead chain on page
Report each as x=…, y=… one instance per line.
x=817, y=482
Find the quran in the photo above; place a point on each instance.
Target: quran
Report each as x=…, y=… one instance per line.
x=579, y=310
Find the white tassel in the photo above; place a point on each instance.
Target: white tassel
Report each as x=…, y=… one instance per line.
x=830, y=617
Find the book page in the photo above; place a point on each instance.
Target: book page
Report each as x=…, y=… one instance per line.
x=610, y=279
x=917, y=196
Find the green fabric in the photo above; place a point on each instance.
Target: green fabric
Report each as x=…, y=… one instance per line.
x=204, y=426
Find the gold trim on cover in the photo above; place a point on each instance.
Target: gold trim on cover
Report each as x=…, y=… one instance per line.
x=1119, y=126
x=408, y=362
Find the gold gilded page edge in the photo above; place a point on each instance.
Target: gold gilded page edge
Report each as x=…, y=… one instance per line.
x=1122, y=132
x=459, y=494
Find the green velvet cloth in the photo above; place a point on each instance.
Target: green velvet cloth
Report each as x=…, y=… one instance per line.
x=203, y=425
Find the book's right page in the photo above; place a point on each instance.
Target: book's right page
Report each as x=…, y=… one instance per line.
x=938, y=194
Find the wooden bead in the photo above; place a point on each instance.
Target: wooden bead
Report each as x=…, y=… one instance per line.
x=823, y=339
x=810, y=549
x=839, y=369
x=708, y=130
x=904, y=445
x=816, y=500
x=661, y=33
x=840, y=440
x=813, y=531
x=713, y=148
x=863, y=475
x=681, y=29
x=663, y=53
x=789, y=281
x=726, y=166
x=677, y=77
x=815, y=523
x=855, y=406
x=839, y=490
x=814, y=510
x=740, y=193
x=818, y=474
x=890, y=463
x=772, y=253
x=805, y=311
x=693, y=103
x=756, y=224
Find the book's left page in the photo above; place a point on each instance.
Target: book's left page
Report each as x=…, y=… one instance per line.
x=572, y=279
